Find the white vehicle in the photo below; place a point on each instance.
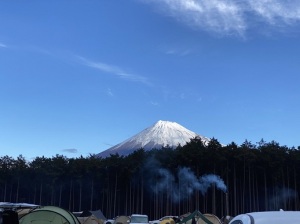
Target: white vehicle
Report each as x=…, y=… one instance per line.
x=109, y=221
x=138, y=219
x=269, y=217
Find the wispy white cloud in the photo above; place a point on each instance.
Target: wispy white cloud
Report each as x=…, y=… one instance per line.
x=214, y=15
x=111, y=69
x=189, y=95
x=180, y=52
x=3, y=45
x=277, y=12
x=154, y=103
x=70, y=150
x=227, y=17
x=109, y=92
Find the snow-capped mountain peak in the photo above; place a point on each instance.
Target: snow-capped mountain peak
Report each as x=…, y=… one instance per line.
x=161, y=134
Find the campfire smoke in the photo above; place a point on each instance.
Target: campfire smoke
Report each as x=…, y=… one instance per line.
x=181, y=185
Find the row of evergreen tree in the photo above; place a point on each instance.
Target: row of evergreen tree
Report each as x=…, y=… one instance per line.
x=217, y=179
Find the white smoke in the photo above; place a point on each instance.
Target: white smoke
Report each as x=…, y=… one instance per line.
x=281, y=197
x=183, y=184
x=208, y=180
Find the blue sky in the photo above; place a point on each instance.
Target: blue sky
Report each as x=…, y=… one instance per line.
x=77, y=77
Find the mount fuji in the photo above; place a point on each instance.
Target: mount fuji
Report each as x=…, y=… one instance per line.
x=161, y=134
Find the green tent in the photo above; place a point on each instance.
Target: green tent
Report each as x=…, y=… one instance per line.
x=194, y=217
x=49, y=215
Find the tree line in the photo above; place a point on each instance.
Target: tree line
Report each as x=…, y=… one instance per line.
x=211, y=178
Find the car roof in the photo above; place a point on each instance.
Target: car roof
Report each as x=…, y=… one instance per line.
x=274, y=217
x=139, y=215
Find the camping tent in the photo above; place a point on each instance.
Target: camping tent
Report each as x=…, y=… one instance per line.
x=23, y=211
x=167, y=221
x=193, y=218
x=49, y=215
x=123, y=219
x=89, y=217
x=11, y=212
x=89, y=220
x=214, y=219
x=98, y=214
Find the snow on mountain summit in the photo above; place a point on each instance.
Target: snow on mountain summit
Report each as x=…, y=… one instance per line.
x=161, y=134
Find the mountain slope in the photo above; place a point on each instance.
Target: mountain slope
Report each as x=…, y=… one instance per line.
x=161, y=134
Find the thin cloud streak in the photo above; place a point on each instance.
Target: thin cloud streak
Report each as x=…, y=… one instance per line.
x=180, y=52
x=231, y=17
x=70, y=150
x=3, y=45
x=211, y=15
x=113, y=70
x=109, y=92
x=275, y=11
x=153, y=103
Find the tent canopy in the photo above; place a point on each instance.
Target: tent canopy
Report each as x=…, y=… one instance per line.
x=89, y=220
x=98, y=214
x=49, y=215
x=190, y=218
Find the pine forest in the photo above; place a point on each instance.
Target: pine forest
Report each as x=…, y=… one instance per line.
x=212, y=178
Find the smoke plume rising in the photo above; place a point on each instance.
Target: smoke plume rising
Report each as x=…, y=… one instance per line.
x=182, y=184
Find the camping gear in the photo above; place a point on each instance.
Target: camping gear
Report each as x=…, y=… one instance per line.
x=91, y=217
x=11, y=212
x=121, y=220
x=49, y=215
x=167, y=221
x=214, y=219
x=194, y=217
x=89, y=220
